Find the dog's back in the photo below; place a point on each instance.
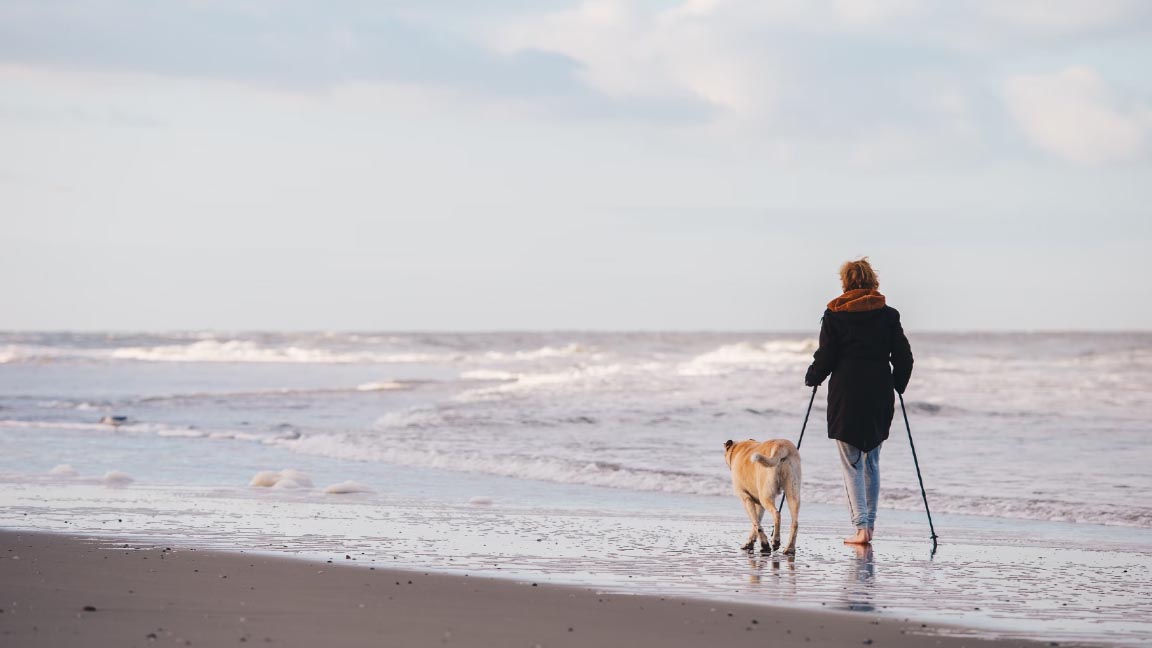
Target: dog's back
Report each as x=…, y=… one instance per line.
x=763, y=467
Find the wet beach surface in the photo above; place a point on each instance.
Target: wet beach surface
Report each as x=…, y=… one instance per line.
x=62, y=589
x=992, y=577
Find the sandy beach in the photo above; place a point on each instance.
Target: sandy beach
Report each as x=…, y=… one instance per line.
x=59, y=590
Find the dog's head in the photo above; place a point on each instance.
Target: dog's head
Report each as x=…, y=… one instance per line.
x=728, y=452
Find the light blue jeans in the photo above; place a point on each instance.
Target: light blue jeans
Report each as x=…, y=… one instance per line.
x=861, y=482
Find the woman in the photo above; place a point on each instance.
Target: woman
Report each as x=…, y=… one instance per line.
x=864, y=348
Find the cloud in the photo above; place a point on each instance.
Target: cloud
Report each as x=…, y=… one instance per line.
x=679, y=53
x=1075, y=115
x=804, y=79
x=294, y=42
x=871, y=11
x=1064, y=16
x=870, y=81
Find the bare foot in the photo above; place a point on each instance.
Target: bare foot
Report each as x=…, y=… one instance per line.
x=862, y=537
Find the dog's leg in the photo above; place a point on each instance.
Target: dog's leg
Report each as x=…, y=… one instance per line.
x=791, y=484
x=793, y=496
x=775, y=524
x=755, y=512
x=760, y=530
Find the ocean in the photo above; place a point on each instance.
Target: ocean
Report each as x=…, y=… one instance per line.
x=597, y=459
x=1015, y=425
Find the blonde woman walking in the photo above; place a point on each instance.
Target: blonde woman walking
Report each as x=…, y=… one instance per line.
x=863, y=347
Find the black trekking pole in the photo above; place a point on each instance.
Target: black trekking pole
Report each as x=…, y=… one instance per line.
x=917, y=464
x=780, y=506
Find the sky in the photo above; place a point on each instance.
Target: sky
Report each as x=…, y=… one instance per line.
x=587, y=164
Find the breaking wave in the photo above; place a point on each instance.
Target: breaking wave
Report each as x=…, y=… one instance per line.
x=251, y=351
x=783, y=355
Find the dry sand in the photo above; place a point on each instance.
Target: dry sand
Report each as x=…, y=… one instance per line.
x=59, y=590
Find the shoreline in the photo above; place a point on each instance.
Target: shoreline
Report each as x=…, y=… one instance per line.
x=147, y=594
x=993, y=578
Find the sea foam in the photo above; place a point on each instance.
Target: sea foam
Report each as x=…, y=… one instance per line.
x=286, y=478
x=117, y=478
x=346, y=487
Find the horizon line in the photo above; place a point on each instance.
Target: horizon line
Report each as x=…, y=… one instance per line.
x=499, y=331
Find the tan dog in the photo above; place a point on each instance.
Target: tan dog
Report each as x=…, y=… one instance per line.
x=759, y=472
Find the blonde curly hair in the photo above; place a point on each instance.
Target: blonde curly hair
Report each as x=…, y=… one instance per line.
x=858, y=274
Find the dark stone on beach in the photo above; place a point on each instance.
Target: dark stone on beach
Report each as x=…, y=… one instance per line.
x=347, y=557
x=867, y=642
x=150, y=635
x=89, y=608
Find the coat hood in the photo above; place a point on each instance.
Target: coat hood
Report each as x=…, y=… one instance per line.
x=859, y=300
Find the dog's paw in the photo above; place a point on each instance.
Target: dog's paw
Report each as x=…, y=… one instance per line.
x=775, y=543
x=748, y=546
x=790, y=551
x=765, y=550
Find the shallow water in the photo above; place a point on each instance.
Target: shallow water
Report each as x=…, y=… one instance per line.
x=999, y=419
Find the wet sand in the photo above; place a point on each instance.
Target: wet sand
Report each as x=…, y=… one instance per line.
x=58, y=590
x=1007, y=578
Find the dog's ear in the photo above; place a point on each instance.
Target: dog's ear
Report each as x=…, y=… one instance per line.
x=728, y=444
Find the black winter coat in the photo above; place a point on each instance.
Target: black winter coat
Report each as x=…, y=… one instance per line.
x=868, y=356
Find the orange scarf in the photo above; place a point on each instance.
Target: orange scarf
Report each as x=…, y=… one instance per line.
x=855, y=301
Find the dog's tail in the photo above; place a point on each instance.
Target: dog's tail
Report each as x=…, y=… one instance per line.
x=780, y=455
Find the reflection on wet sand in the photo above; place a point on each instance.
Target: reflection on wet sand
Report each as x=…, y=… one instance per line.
x=859, y=592
x=757, y=564
x=774, y=575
